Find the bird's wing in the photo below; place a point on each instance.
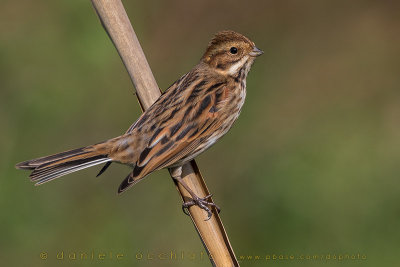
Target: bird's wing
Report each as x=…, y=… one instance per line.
x=183, y=133
x=145, y=117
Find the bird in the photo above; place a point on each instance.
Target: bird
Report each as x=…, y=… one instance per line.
x=189, y=117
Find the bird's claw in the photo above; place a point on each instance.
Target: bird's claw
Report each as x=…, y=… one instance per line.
x=202, y=203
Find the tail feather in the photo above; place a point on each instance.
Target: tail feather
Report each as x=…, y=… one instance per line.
x=51, y=167
x=58, y=171
x=34, y=163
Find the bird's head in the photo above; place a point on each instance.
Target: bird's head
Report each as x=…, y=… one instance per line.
x=229, y=52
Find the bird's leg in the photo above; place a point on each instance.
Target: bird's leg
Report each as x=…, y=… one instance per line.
x=202, y=203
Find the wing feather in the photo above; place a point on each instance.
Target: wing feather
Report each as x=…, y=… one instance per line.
x=180, y=135
x=177, y=144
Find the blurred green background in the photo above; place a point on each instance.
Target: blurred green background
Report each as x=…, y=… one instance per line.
x=310, y=168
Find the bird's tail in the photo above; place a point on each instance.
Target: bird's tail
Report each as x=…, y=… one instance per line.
x=51, y=167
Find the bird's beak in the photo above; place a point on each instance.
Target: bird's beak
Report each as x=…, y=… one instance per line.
x=256, y=52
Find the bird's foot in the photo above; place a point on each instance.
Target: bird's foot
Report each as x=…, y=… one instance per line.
x=202, y=203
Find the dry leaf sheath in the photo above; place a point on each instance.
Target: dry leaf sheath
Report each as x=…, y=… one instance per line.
x=189, y=117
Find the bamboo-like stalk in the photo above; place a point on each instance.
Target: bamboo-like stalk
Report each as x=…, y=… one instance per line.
x=116, y=22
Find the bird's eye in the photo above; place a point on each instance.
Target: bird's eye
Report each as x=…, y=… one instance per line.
x=234, y=50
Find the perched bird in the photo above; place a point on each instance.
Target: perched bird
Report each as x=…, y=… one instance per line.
x=189, y=117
